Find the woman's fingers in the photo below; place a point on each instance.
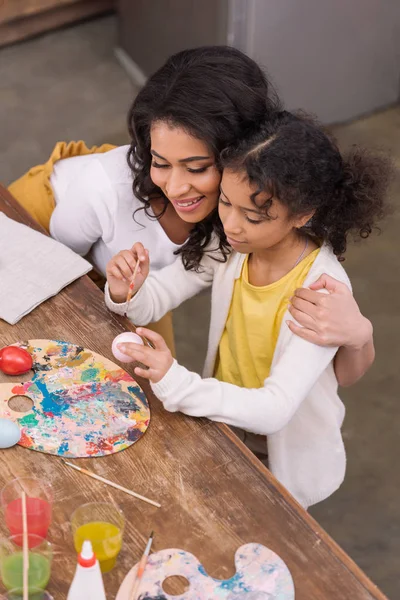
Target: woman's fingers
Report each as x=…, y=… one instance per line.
x=303, y=306
x=308, y=295
x=303, y=332
x=327, y=283
x=303, y=319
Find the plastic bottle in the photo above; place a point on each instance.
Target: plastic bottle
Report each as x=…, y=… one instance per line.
x=88, y=582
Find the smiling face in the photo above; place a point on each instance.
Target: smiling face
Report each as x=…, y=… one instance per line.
x=184, y=169
x=251, y=229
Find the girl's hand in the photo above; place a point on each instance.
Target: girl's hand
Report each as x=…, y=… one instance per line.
x=330, y=319
x=158, y=360
x=120, y=271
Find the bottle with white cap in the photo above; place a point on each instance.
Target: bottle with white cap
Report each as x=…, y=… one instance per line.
x=88, y=582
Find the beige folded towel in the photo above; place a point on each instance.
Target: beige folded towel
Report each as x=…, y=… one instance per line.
x=33, y=267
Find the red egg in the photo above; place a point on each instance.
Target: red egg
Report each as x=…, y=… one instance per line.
x=15, y=360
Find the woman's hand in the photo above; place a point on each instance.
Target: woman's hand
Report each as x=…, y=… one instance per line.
x=334, y=319
x=329, y=319
x=158, y=360
x=120, y=271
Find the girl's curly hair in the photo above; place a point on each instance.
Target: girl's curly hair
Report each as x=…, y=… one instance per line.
x=215, y=93
x=293, y=159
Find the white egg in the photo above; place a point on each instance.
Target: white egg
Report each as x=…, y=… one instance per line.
x=10, y=433
x=125, y=338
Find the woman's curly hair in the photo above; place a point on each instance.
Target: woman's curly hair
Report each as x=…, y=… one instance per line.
x=292, y=158
x=215, y=93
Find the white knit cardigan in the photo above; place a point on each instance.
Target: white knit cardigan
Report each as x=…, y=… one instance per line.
x=298, y=408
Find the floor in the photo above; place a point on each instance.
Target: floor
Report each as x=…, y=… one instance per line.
x=68, y=85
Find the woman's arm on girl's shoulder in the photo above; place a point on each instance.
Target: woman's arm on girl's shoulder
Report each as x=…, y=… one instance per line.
x=85, y=210
x=265, y=410
x=352, y=363
x=335, y=319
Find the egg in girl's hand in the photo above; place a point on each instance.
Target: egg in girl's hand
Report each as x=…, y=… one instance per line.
x=10, y=433
x=125, y=338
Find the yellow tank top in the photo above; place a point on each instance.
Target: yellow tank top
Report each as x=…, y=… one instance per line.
x=251, y=331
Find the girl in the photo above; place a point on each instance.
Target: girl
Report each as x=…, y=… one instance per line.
x=288, y=203
x=90, y=200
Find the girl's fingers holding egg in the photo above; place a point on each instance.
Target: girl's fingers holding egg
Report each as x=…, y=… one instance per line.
x=154, y=337
x=143, y=354
x=130, y=349
x=144, y=373
x=136, y=351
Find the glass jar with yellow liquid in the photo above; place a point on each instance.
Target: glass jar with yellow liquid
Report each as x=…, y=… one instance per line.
x=103, y=524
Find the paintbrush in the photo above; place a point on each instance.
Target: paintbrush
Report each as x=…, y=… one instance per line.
x=141, y=568
x=25, y=555
x=131, y=286
x=129, y=298
x=111, y=483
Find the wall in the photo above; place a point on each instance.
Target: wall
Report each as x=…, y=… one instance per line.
x=151, y=30
x=336, y=58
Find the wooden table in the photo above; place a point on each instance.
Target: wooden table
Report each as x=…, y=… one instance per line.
x=215, y=494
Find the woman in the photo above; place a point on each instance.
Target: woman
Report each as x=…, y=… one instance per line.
x=215, y=95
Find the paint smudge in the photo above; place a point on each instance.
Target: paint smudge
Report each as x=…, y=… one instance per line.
x=83, y=404
x=260, y=575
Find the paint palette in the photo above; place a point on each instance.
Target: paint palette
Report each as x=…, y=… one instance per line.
x=83, y=404
x=260, y=575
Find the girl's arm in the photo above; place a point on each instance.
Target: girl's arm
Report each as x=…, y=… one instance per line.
x=265, y=410
x=335, y=319
x=157, y=292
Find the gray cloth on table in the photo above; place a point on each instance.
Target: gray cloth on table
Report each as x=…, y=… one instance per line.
x=33, y=267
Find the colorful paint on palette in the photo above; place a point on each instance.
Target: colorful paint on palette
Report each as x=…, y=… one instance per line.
x=83, y=404
x=260, y=575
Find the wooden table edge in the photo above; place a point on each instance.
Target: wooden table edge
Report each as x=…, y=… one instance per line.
x=318, y=530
